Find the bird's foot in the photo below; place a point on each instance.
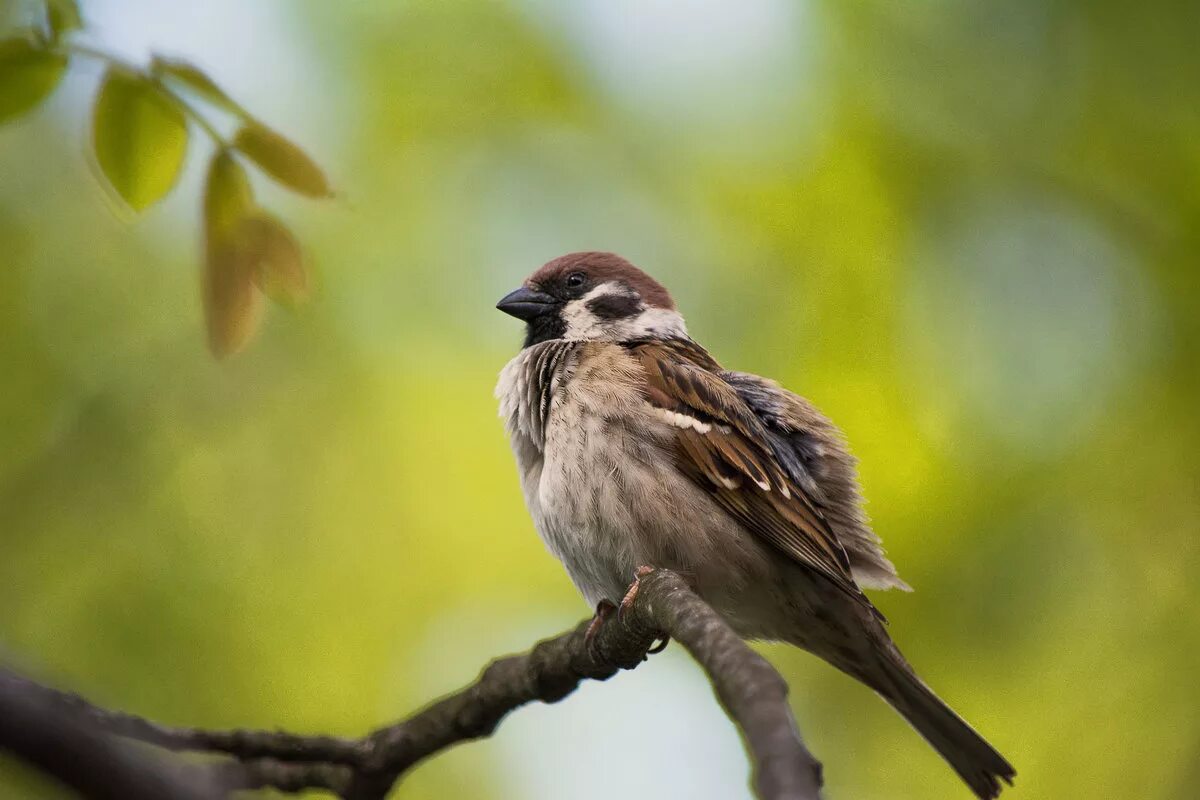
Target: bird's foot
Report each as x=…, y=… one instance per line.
x=627, y=603
x=632, y=593
x=604, y=610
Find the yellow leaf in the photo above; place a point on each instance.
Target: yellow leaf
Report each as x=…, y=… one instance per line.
x=27, y=75
x=282, y=160
x=279, y=264
x=232, y=300
x=196, y=80
x=140, y=137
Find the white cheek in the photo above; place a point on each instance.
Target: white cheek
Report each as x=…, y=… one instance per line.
x=659, y=323
x=653, y=323
x=580, y=323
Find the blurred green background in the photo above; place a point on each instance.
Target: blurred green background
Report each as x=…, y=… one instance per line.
x=969, y=231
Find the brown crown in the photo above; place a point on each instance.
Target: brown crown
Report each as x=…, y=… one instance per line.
x=604, y=267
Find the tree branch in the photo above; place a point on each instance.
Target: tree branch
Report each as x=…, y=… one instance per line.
x=44, y=734
x=750, y=690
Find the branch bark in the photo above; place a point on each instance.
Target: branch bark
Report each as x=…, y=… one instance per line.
x=750, y=690
x=44, y=734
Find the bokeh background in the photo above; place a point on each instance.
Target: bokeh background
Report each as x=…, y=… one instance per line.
x=969, y=231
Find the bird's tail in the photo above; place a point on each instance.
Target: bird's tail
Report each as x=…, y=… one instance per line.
x=975, y=761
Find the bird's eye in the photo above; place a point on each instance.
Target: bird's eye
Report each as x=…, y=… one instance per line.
x=575, y=280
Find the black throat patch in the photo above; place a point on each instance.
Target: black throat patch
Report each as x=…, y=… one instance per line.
x=544, y=328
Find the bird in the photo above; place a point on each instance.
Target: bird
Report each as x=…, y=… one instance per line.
x=636, y=450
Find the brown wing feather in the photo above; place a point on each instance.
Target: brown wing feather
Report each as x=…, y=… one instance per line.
x=733, y=459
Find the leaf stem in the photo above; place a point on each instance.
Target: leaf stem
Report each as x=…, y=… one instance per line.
x=219, y=140
x=116, y=61
x=100, y=55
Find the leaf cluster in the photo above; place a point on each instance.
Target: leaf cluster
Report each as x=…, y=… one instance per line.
x=139, y=142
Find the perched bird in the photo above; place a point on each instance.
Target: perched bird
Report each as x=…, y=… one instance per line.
x=637, y=449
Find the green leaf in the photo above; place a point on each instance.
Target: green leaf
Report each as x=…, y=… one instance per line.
x=64, y=17
x=232, y=300
x=282, y=160
x=140, y=137
x=28, y=75
x=279, y=264
x=195, y=79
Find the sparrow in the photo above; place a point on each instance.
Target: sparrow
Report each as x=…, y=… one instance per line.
x=637, y=450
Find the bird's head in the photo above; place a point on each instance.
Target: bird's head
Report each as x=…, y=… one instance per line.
x=593, y=297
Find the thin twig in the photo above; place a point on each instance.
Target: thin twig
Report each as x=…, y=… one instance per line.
x=155, y=80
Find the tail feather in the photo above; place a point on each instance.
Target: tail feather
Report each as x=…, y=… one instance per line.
x=968, y=753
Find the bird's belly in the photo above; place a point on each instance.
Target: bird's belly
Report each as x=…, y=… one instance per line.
x=609, y=501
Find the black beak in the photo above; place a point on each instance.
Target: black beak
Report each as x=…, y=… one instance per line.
x=526, y=304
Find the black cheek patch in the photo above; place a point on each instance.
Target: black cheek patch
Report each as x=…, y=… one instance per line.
x=614, y=306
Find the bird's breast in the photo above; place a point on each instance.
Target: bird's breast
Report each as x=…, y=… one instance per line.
x=599, y=476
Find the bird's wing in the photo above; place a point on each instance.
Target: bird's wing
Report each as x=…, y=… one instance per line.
x=814, y=454
x=723, y=447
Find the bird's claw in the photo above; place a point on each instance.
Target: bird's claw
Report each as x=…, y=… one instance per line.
x=627, y=603
x=604, y=610
x=632, y=593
